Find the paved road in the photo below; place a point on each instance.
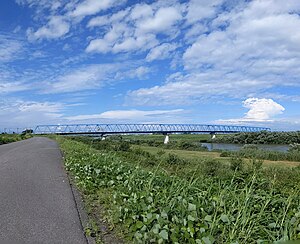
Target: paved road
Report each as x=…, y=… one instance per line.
x=36, y=201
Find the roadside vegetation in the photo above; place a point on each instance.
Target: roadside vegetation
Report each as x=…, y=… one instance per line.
x=263, y=137
x=160, y=197
x=9, y=138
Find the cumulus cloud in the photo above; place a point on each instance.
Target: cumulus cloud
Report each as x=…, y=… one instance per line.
x=250, y=48
x=91, y=7
x=201, y=9
x=55, y=28
x=136, y=29
x=260, y=110
x=162, y=51
x=163, y=19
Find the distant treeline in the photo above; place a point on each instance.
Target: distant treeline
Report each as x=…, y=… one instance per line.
x=263, y=137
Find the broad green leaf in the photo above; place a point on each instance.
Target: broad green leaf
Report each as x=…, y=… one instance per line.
x=192, y=207
x=208, y=218
x=225, y=218
x=164, y=235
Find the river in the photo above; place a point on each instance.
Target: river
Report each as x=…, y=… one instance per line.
x=237, y=147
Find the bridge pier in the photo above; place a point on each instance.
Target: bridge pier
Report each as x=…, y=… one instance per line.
x=212, y=136
x=167, y=139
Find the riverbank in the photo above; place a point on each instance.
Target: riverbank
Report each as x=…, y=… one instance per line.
x=6, y=138
x=160, y=196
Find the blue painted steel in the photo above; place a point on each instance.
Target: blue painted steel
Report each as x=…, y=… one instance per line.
x=143, y=128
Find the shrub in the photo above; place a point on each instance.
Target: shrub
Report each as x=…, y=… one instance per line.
x=250, y=146
x=236, y=164
x=123, y=146
x=256, y=163
x=225, y=154
x=294, y=147
x=211, y=167
x=174, y=159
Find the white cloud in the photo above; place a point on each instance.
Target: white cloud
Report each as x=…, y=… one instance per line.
x=162, y=51
x=261, y=110
x=134, y=115
x=10, y=81
x=196, y=87
x=42, y=4
x=94, y=76
x=136, y=29
x=91, y=7
x=55, y=28
x=104, y=20
x=10, y=87
x=247, y=50
x=20, y=113
x=141, y=11
x=10, y=48
x=139, y=72
x=201, y=9
x=163, y=20
x=85, y=78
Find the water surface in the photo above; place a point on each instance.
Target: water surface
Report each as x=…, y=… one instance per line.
x=237, y=147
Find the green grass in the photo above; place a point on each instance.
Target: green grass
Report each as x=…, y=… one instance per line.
x=147, y=198
x=7, y=138
x=196, y=155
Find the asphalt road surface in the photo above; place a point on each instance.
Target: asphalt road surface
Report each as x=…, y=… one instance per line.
x=36, y=200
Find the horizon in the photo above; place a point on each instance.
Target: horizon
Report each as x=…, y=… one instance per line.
x=190, y=62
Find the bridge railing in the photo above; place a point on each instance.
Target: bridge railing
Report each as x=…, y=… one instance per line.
x=143, y=128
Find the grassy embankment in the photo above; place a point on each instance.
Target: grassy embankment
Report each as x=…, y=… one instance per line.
x=163, y=197
x=6, y=138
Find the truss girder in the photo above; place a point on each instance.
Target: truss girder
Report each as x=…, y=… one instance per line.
x=142, y=128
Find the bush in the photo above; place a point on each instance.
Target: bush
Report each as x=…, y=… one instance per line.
x=225, y=154
x=174, y=159
x=294, y=147
x=211, y=167
x=236, y=164
x=250, y=146
x=256, y=163
x=123, y=146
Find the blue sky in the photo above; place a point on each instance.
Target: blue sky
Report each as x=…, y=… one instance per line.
x=115, y=61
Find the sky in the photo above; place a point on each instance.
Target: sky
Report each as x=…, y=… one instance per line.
x=166, y=61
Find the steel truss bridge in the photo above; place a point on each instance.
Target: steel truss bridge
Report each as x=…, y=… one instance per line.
x=105, y=129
